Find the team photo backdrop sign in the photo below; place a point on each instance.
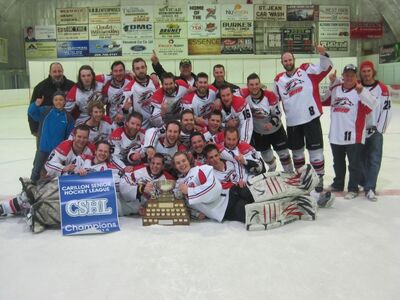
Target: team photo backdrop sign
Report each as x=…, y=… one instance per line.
x=88, y=204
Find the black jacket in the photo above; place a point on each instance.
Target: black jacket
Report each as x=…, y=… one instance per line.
x=47, y=89
x=158, y=68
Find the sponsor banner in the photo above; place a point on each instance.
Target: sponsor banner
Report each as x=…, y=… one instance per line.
x=264, y=12
x=137, y=46
x=237, y=12
x=297, y=39
x=203, y=12
x=204, y=29
x=389, y=53
x=170, y=30
x=104, y=15
x=273, y=40
x=104, y=31
x=45, y=33
x=72, y=33
x=237, y=46
x=302, y=12
x=41, y=50
x=366, y=30
x=138, y=30
x=334, y=30
x=72, y=49
x=131, y=14
x=335, y=36
x=169, y=48
x=330, y=13
x=170, y=14
x=73, y=15
x=204, y=46
x=105, y=48
x=3, y=50
x=88, y=204
x=237, y=29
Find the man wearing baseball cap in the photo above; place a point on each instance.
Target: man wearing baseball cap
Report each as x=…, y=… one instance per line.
x=375, y=127
x=350, y=104
x=185, y=67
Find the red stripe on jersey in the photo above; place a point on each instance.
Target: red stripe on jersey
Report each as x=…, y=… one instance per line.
x=202, y=177
x=71, y=96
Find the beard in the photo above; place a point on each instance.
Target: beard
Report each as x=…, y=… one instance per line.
x=57, y=81
x=289, y=68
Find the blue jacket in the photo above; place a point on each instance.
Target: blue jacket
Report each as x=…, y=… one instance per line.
x=55, y=125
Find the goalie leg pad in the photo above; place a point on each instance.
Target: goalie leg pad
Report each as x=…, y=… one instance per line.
x=272, y=214
x=274, y=185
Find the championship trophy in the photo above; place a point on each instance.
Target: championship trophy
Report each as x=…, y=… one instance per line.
x=164, y=208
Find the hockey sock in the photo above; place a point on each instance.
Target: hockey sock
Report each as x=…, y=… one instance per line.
x=10, y=206
x=286, y=160
x=317, y=161
x=269, y=159
x=298, y=158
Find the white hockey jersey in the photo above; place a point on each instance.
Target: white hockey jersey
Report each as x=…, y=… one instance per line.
x=381, y=115
x=122, y=145
x=115, y=97
x=173, y=102
x=299, y=93
x=201, y=106
x=64, y=155
x=239, y=110
x=204, y=192
x=348, y=112
x=140, y=94
x=79, y=99
x=101, y=132
x=264, y=110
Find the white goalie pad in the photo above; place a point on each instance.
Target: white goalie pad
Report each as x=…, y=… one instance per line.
x=276, y=185
x=271, y=214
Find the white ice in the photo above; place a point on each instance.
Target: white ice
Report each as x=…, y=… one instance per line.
x=352, y=250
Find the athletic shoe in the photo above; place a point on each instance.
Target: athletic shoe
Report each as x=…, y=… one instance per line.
x=371, y=196
x=350, y=195
x=333, y=189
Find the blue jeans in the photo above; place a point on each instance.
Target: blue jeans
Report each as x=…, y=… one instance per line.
x=339, y=153
x=38, y=164
x=371, y=161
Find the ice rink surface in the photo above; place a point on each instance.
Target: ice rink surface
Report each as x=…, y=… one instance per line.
x=352, y=250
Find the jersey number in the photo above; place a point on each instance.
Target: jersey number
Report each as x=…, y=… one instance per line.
x=311, y=110
x=387, y=105
x=347, y=135
x=246, y=114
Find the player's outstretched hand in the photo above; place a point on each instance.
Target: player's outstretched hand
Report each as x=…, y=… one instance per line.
x=320, y=49
x=332, y=77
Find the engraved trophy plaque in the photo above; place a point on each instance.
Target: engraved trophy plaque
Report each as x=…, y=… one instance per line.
x=163, y=208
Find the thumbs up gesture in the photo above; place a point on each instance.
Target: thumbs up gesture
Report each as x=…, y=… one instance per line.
x=332, y=77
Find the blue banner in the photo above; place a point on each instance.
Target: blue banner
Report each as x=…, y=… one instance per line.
x=105, y=48
x=88, y=204
x=72, y=49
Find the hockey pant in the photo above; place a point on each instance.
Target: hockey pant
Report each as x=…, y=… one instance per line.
x=238, y=199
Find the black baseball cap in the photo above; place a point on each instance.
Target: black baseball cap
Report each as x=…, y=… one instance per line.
x=185, y=62
x=350, y=67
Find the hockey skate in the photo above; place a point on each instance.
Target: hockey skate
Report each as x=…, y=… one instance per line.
x=275, y=185
x=276, y=213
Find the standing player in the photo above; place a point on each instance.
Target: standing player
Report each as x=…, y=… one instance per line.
x=268, y=128
x=236, y=113
x=376, y=126
x=113, y=91
x=87, y=89
x=298, y=89
x=202, y=100
x=166, y=101
x=140, y=91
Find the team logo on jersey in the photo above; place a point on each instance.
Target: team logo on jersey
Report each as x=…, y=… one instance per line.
x=259, y=113
x=293, y=87
x=342, y=104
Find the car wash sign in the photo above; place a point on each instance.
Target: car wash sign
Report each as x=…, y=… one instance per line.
x=88, y=204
